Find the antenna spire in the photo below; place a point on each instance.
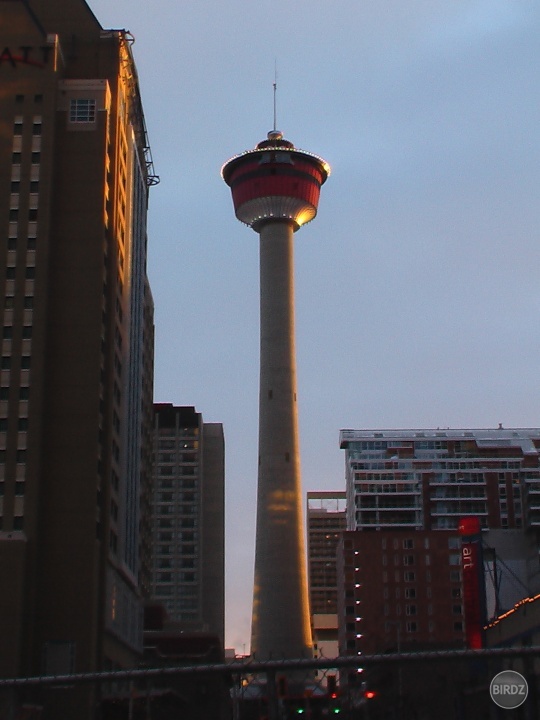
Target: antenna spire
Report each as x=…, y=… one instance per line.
x=275, y=93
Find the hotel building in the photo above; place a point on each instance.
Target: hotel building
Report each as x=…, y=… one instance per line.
x=77, y=346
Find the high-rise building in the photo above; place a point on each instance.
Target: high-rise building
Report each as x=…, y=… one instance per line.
x=188, y=511
x=428, y=479
x=326, y=520
x=77, y=344
x=275, y=189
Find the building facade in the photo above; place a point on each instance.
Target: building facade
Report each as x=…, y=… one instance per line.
x=326, y=520
x=430, y=478
x=77, y=343
x=188, y=510
x=401, y=590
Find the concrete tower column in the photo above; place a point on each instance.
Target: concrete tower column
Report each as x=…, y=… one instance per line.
x=281, y=625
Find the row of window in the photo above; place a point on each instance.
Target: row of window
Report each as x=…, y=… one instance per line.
x=410, y=575
x=19, y=489
x=18, y=523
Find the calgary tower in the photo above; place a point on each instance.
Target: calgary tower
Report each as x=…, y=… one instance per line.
x=275, y=189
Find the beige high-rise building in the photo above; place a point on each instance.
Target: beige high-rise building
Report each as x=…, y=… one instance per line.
x=77, y=347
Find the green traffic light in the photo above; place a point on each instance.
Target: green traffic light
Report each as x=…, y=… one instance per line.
x=336, y=711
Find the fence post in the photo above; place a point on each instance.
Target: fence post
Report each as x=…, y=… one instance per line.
x=273, y=707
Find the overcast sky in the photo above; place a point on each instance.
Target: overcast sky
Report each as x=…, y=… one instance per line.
x=417, y=286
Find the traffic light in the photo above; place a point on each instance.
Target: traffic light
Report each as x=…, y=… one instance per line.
x=297, y=708
x=331, y=687
x=370, y=694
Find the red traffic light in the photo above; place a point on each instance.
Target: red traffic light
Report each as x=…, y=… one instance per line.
x=370, y=694
x=331, y=687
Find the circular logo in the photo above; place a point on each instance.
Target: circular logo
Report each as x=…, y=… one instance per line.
x=508, y=689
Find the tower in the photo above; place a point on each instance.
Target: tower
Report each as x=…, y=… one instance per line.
x=275, y=190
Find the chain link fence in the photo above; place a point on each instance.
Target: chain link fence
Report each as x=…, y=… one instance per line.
x=442, y=685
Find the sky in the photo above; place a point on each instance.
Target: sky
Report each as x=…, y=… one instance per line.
x=417, y=285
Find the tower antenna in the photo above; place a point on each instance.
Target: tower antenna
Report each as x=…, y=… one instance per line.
x=275, y=93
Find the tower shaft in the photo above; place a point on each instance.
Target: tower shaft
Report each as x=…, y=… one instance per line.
x=281, y=626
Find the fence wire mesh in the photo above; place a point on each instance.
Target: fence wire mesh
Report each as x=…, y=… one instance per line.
x=444, y=685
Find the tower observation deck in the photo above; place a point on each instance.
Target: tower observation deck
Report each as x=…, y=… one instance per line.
x=275, y=190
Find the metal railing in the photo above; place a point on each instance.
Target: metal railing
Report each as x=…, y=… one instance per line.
x=441, y=684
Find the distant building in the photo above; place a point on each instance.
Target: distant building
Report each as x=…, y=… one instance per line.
x=188, y=541
x=77, y=347
x=326, y=520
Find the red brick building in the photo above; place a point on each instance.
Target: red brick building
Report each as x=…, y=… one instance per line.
x=401, y=591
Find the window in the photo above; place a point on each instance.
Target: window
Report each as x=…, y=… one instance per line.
x=17, y=127
x=15, y=186
x=34, y=186
x=19, y=489
x=82, y=110
x=410, y=593
x=16, y=158
x=7, y=332
x=25, y=362
x=22, y=424
x=11, y=273
x=36, y=158
x=411, y=627
x=18, y=523
x=27, y=331
x=24, y=393
x=36, y=128
x=408, y=544
x=408, y=559
x=409, y=576
x=4, y=393
x=6, y=362
x=410, y=609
